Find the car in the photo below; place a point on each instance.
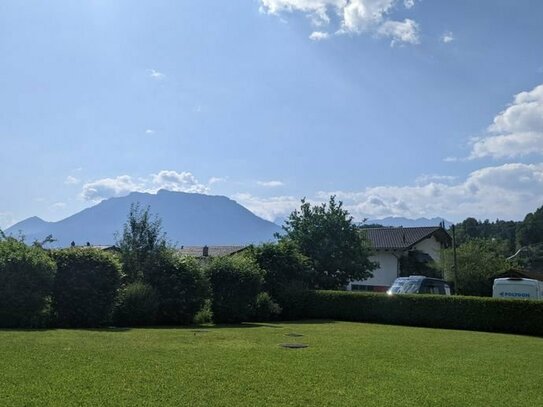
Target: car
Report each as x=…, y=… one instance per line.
x=419, y=285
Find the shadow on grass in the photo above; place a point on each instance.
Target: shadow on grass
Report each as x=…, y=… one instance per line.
x=243, y=325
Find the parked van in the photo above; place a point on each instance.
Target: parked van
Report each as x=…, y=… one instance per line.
x=518, y=288
x=419, y=285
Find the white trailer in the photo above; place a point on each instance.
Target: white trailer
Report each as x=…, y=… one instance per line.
x=518, y=288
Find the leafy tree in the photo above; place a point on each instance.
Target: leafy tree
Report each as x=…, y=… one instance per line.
x=326, y=234
x=141, y=241
x=531, y=230
x=86, y=286
x=418, y=263
x=478, y=262
x=235, y=283
x=26, y=282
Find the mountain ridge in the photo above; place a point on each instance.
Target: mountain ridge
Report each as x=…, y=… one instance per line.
x=187, y=219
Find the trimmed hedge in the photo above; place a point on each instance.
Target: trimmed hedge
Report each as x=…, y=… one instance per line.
x=86, y=286
x=26, y=283
x=434, y=311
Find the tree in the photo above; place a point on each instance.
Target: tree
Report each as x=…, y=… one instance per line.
x=530, y=231
x=141, y=241
x=338, y=250
x=478, y=262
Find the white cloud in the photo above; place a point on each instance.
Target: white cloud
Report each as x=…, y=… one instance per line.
x=125, y=184
x=400, y=32
x=355, y=16
x=178, y=181
x=268, y=208
x=517, y=131
x=427, y=178
x=447, y=37
x=70, y=180
x=216, y=180
x=110, y=187
x=58, y=205
x=270, y=184
x=506, y=192
x=154, y=74
x=319, y=36
x=149, y=131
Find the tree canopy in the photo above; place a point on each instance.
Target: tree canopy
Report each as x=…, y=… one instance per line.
x=326, y=234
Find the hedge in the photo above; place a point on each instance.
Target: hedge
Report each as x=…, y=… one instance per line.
x=447, y=312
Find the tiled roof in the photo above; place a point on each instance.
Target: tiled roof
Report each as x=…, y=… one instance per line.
x=213, y=251
x=404, y=238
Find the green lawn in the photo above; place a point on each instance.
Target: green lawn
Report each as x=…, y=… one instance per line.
x=349, y=364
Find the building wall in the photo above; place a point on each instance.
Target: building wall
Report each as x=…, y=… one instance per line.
x=430, y=246
x=386, y=273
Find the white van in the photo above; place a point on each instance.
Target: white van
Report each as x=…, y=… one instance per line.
x=419, y=285
x=518, y=288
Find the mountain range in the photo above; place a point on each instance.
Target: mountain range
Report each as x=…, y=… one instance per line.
x=188, y=219
x=395, y=221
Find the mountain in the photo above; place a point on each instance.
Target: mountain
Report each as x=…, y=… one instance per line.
x=188, y=219
x=393, y=221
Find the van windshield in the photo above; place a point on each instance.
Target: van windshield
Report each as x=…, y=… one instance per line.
x=410, y=287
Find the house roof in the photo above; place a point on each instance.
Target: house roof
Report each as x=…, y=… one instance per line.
x=213, y=251
x=404, y=238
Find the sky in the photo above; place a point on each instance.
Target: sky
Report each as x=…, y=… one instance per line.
x=411, y=108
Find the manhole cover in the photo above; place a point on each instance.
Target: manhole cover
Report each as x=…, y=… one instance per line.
x=294, y=345
x=295, y=335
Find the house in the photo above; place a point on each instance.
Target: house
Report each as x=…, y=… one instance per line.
x=391, y=244
x=210, y=251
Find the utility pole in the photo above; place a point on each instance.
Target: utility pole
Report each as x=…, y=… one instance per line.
x=454, y=260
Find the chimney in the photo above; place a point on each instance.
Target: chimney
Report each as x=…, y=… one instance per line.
x=205, y=251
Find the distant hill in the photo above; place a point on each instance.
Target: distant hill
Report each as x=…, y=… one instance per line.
x=393, y=221
x=188, y=219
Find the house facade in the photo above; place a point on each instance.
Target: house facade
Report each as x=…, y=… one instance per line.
x=391, y=244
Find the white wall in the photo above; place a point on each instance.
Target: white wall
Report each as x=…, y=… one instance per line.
x=385, y=274
x=430, y=246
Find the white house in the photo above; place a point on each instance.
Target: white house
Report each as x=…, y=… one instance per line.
x=390, y=244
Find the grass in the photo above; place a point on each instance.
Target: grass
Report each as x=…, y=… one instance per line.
x=346, y=364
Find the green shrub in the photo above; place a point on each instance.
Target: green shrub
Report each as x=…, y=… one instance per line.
x=468, y=313
x=137, y=305
x=181, y=286
x=266, y=309
x=85, y=288
x=26, y=282
x=283, y=266
x=205, y=315
x=235, y=283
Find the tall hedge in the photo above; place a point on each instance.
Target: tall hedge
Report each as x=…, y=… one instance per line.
x=181, y=287
x=26, y=282
x=235, y=284
x=468, y=313
x=86, y=286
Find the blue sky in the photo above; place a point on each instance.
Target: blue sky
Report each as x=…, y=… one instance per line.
x=400, y=108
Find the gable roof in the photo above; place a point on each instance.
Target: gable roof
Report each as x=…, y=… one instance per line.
x=213, y=251
x=405, y=238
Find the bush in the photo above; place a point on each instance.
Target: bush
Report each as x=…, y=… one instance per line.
x=469, y=313
x=137, y=305
x=235, y=283
x=266, y=309
x=85, y=288
x=205, y=315
x=283, y=266
x=181, y=287
x=26, y=282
